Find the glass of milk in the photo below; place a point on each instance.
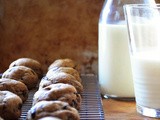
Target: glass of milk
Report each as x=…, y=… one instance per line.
x=144, y=40
x=114, y=66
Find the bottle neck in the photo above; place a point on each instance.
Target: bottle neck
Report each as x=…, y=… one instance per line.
x=113, y=12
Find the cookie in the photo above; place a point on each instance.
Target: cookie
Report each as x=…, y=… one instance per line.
x=57, y=109
x=15, y=87
x=68, y=70
x=66, y=62
x=50, y=118
x=22, y=74
x=61, y=77
x=59, y=91
x=10, y=105
x=29, y=62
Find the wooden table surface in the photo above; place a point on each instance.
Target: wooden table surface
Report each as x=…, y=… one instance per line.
x=121, y=110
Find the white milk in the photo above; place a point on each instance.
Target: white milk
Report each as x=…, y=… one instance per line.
x=115, y=75
x=146, y=73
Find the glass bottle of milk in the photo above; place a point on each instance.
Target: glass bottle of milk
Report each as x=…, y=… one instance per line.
x=114, y=67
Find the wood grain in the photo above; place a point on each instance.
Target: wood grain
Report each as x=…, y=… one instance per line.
x=121, y=110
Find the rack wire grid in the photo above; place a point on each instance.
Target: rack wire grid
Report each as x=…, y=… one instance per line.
x=91, y=106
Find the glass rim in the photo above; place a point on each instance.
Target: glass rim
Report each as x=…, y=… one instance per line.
x=142, y=5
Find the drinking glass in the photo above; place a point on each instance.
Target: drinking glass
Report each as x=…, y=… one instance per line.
x=143, y=23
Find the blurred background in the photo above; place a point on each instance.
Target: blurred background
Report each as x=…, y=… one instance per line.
x=47, y=30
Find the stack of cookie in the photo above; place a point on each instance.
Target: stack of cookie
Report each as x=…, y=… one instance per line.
x=59, y=93
x=22, y=75
x=25, y=70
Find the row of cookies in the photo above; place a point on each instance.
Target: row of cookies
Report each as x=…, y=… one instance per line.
x=22, y=75
x=59, y=92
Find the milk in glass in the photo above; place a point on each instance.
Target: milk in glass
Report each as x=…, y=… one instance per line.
x=146, y=75
x=114, y=66
x=146, y=64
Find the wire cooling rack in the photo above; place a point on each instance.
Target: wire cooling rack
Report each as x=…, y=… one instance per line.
x=91, y=107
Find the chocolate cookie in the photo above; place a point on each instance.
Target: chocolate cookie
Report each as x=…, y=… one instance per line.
x=68, y=70
x=23, y=74
x=57, y=109
x=59, y=91
x=29, y=62
x=50, y=118
x=15, y=87
x=61, y=77
x=64, y=63
x=10, y=105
